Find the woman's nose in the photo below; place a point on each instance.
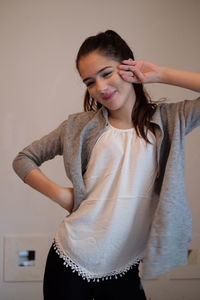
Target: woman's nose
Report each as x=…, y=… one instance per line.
x=101, y=86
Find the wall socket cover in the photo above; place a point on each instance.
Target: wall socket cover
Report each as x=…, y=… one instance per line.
x=32, y=250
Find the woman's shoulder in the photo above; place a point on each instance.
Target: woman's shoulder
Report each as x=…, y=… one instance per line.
x=187, y=111
x=166, y=104
x=81, y=119
x=84, y=117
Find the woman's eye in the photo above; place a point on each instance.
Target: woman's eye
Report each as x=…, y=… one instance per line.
x=105, y=75
x=88, y=84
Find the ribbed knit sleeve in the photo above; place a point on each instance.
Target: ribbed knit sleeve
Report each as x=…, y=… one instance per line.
x=191, y=111
x=40, y=151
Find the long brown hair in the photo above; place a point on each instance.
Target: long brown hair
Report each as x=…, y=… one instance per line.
x=110, y=44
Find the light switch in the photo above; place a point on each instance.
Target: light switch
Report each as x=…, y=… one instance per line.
x=25, y=257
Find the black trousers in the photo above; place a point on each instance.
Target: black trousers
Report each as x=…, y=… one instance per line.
x=60, y=283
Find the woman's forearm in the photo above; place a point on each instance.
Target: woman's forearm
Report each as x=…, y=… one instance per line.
x=185, y=79
x=147, y=72
x=40, y=182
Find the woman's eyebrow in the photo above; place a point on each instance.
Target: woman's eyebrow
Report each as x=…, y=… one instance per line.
x=85, y=79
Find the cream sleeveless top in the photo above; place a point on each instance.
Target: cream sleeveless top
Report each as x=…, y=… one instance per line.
x=107, y=234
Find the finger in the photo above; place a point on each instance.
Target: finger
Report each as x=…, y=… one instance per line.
x=129, y=61
x=126, y=73
x=125, y=67
x=126, y=63
x=129, y=77
x=131, y=71
x=138, y=74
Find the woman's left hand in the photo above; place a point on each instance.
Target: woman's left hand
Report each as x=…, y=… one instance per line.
x=139, y=71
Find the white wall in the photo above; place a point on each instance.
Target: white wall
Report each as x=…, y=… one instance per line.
x=40, y=86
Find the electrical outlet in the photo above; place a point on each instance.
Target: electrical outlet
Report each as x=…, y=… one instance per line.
x=25, y=257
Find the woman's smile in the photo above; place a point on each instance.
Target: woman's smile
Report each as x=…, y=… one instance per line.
x=104, y=84
x=109, y=96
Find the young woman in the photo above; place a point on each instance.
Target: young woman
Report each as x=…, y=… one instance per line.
x=124, y=156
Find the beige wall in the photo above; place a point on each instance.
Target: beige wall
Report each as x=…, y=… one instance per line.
x=40, y=87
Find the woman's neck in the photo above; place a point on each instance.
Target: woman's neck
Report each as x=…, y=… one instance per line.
x=121, y=120
x=122, y=117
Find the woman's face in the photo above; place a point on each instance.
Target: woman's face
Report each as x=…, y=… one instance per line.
x=104, y=84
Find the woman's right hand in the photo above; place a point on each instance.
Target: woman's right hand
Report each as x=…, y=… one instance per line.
x=65, y=198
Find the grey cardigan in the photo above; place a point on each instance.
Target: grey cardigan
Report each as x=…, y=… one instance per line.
x=171, y=230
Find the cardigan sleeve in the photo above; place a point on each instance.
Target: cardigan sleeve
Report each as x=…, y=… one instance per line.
x=39, y=151
x=191, y=110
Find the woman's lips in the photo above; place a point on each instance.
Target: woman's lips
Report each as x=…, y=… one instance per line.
x=108, y=96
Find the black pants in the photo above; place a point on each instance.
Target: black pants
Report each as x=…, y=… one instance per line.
x=60, y=283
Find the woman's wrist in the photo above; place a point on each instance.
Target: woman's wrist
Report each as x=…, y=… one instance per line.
x=64, y=196
x=162, y=75
x=40, y=182
x=181, y=78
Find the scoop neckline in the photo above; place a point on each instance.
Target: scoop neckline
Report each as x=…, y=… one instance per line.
x=121, y=130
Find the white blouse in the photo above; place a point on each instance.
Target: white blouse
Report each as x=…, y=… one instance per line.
x=107, y=234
